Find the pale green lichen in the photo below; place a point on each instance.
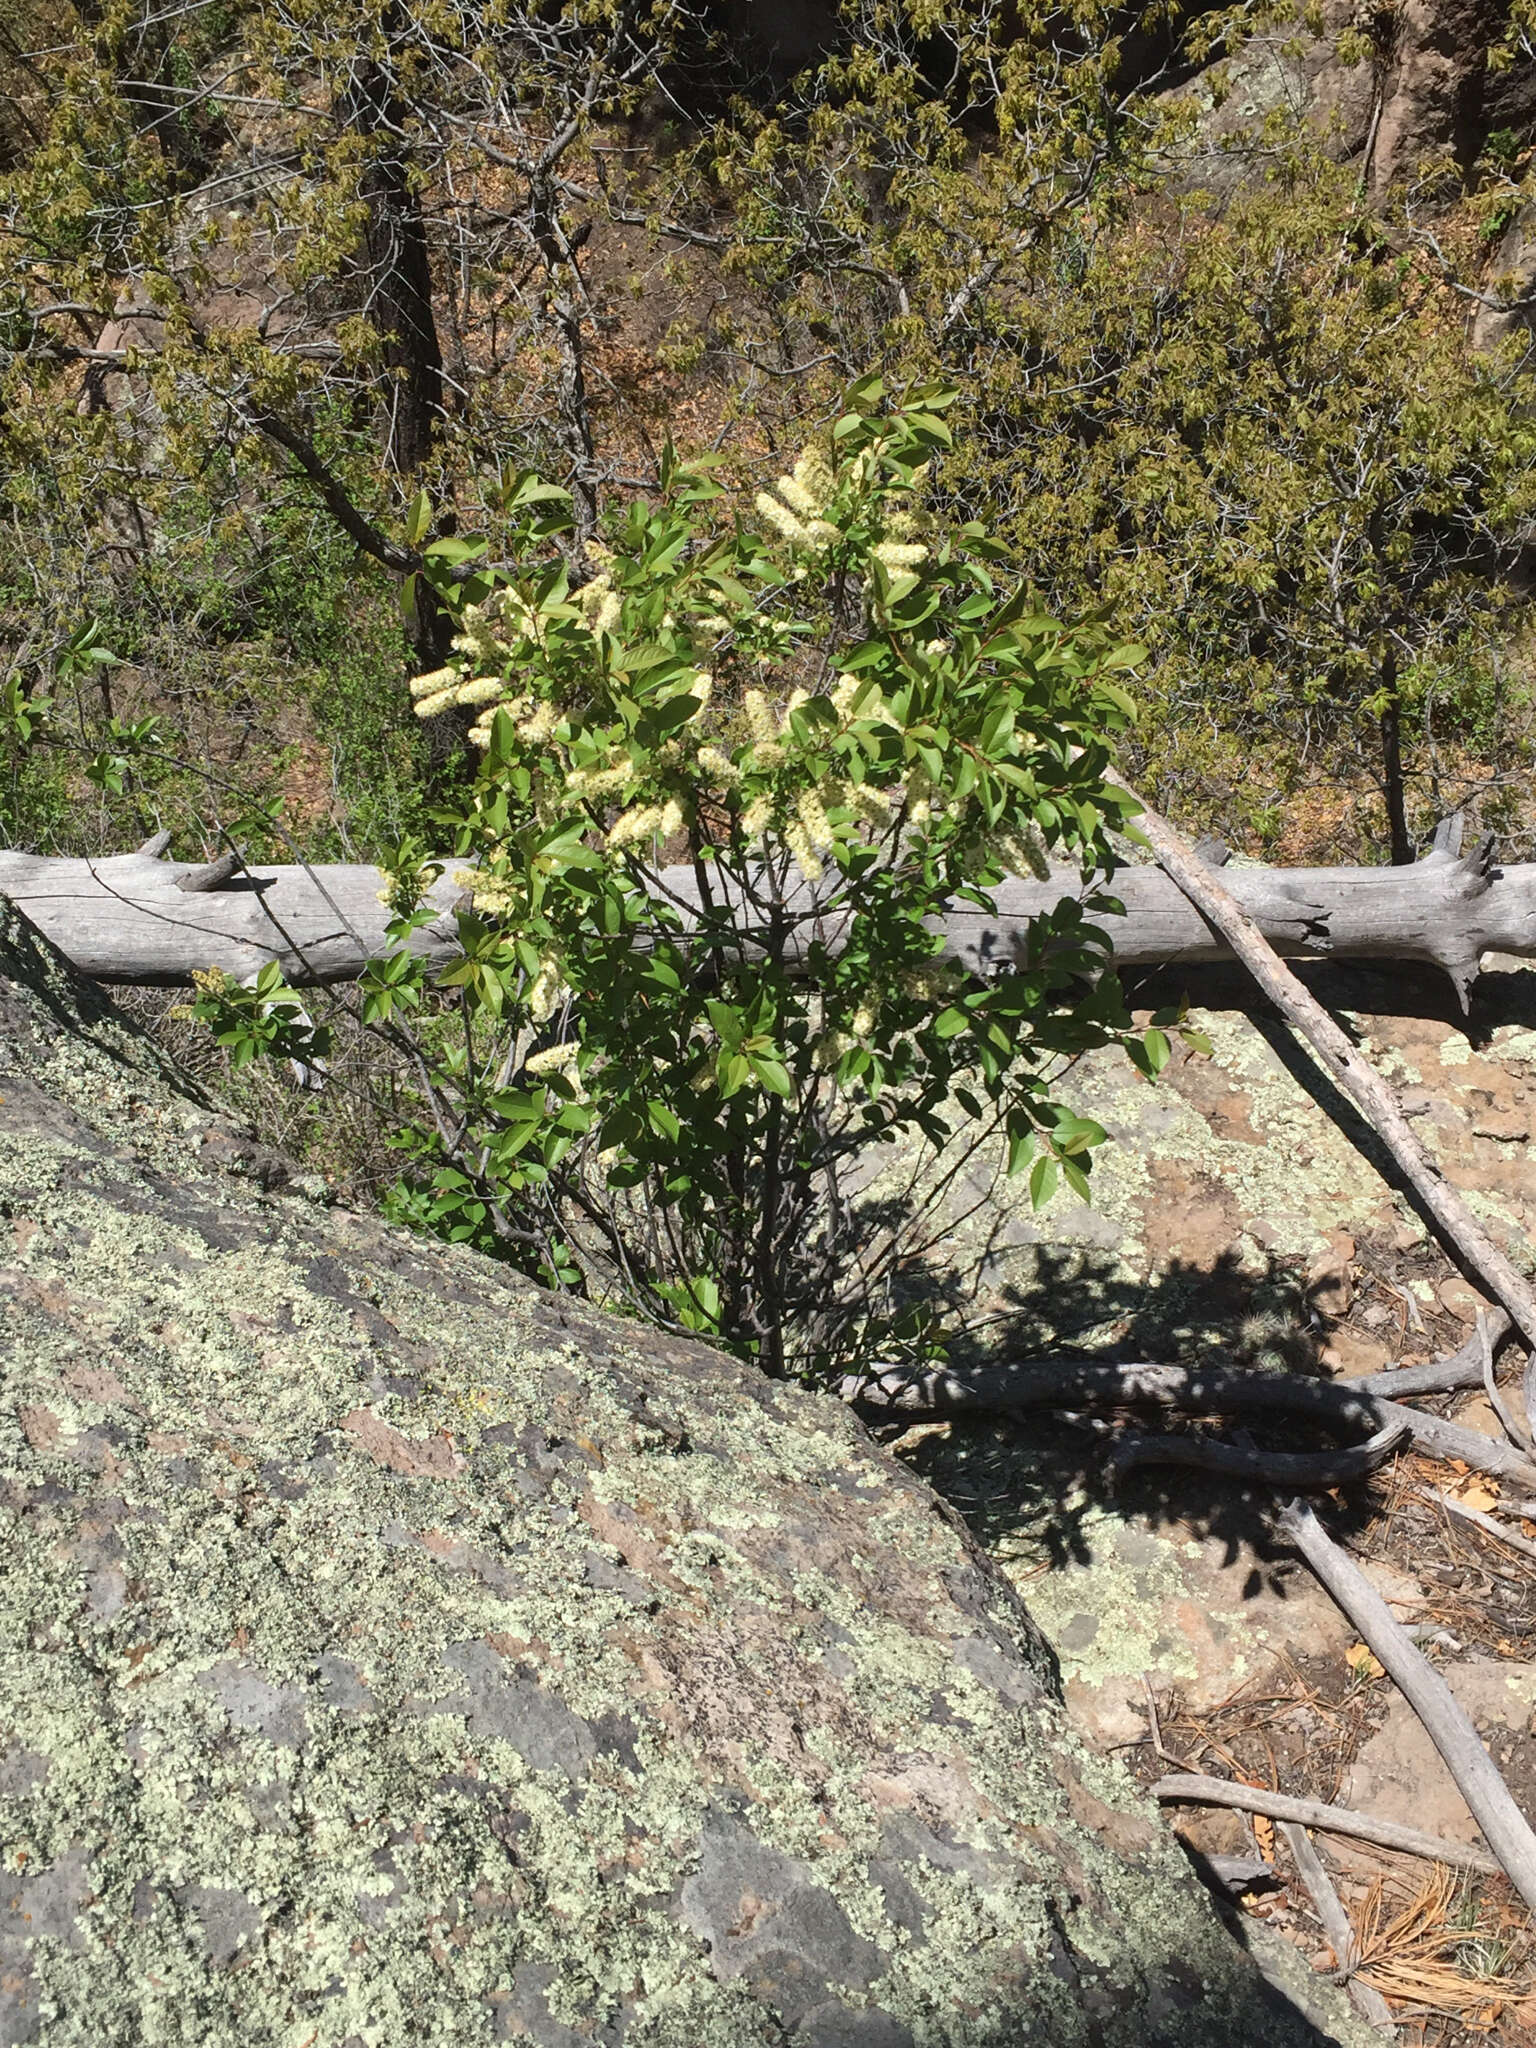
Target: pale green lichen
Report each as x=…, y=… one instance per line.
x=393, y=1653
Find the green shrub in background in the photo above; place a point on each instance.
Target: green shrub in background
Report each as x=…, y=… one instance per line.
x=729, y=784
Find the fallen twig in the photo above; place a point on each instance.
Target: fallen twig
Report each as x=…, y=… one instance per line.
x=1481, y=1521
x=1154, y=1726
x=1198, y=1390
x=1345, y=1062
x=1307, y=1469
x=1369, y=2003
x=1445, y=1720
x=1463, y=1368
x=1511, y=1428
x=1192, y=1788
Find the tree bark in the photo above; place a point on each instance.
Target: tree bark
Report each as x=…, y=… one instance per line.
x=399, y=266
x=1392, y=769
x=128, y=918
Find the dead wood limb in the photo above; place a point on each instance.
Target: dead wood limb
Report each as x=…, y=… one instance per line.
x=1519, y=1437
x=1463, y=1368
x=1368, y=2001
x=137, y=917
x=1309, y=1470
x=1197, y=1390
x=1348, y=1066
x=1191, y=1788
x=1479, y=1520
x=125, y=918
x=212, y=875
x=1238, y=1874
x=1445, y=1720
x=1330, y=1907
x=1450, y=1441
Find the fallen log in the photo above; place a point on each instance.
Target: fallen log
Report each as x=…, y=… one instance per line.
x=1348, y=1066
x=138, y=917
x=1028, y=1383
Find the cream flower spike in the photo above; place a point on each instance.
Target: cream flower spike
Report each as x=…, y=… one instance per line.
x=783, y=520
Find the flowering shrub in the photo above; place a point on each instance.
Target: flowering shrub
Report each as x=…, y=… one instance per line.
x=730, y=784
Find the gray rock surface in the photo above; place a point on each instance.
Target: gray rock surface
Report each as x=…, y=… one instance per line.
x=392, y=1653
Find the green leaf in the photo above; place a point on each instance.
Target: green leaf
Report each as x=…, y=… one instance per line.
x=1075, y=1178
x=452, y=550
x=418, y=518
x=1124, y=657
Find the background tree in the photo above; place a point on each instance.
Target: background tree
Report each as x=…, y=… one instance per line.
x=1247, y=421
x=281, y=279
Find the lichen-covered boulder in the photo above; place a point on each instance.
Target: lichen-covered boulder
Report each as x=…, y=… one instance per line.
x=392, y=1653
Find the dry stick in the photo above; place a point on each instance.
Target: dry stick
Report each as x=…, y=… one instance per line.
x=1445, y=1720
x=1368, y=2001
x=1479, y=1520
x=1496, y=1401
x=212, y=875
x=1191, y=1788
x=1345, y=1062
x=1311, y=1469
x=1463, y=1368
x=1072, y=1383
x=1451, y=1441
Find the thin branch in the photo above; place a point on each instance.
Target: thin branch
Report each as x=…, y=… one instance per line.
x=1479, y=1520
x=1346, y=1064
x=1191, y=1788
x=1330, y=1911
x=1442, y=1715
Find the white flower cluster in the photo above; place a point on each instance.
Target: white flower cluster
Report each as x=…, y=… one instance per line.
x=559, y=1059
x=798, y=513
x=808, y=833
x=899, y=555
x=763, y=730
x=1025, y=851
x=832, y=1045
x=645, y=821
x=590, y=785
x=545, y=990
x=443, y=688
x=919, y=792
x=599, y=604
x=932, y=983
